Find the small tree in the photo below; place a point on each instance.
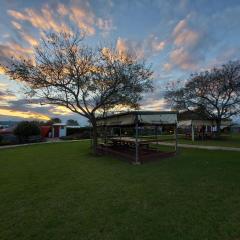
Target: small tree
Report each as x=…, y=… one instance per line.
x=26, y=129
x=216, y=92
x=72, y=122
x=87, y=81
x=54, y=120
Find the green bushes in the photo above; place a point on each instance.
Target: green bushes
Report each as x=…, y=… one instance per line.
x=27, y=132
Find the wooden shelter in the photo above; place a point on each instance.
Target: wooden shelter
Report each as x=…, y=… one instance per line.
x=133, y=146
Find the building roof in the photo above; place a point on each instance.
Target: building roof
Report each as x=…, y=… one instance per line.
x=143, y=117
x=193, y=115
x=59, y=124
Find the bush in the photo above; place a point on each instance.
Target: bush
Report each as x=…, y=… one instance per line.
x=26, y=130
x=76, y=136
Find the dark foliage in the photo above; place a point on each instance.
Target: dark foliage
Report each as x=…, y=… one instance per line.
x=87, y=81
x=215, y=92
x=26, y=130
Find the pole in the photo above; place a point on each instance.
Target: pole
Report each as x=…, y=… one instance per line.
x=193, y=133
x=136, y=142
x=176, y=139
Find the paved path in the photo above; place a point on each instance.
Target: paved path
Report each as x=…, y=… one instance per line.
x=48, y=142
x=202, y=147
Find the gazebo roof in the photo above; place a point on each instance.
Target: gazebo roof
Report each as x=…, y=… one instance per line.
x=143, y=117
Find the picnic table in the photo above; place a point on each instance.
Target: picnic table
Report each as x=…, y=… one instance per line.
x=129, y=141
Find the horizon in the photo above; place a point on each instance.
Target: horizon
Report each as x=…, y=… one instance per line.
x=174, y=36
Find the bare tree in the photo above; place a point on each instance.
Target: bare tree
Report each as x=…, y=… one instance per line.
x=217, y=91
x=87, y=81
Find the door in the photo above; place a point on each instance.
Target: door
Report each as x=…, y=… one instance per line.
x=56, y=131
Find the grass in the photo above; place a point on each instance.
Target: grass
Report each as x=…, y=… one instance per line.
x=232, y=140
x=59, y=191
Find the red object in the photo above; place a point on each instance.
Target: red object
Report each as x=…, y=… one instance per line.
x=45, y=131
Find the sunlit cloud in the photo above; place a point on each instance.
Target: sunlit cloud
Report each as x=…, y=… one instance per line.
x=29, y=39
x=185, y=54
x=150, y=46
x=60, y=110
x=17, y=25
x=21, y=114
x=2, y=71
x=155, y=105
x=158, y=46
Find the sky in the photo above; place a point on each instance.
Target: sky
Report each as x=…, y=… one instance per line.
x=178, y=37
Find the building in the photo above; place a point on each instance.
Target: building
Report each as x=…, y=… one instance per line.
x=199, y=125
x=7, y=135
x=62, y=130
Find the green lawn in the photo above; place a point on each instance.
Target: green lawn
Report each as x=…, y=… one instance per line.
x=58, y=191
x=231, y=140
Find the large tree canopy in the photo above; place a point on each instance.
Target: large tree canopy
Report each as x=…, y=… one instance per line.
x=217, y=91
x=66, y=72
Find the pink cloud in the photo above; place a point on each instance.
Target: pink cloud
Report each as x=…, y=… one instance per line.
x=185, y=51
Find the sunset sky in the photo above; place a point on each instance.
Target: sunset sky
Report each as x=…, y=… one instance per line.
x=178, y=37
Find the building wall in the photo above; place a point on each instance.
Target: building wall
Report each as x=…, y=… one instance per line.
x=62, y=131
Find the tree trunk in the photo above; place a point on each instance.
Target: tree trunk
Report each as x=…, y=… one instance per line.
x=94, y=137
x=218, y=123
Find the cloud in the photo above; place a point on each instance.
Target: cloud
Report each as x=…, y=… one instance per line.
x=188, y=44
x=78, y=14
x=5, y=97
x=25, y=115
x=17, y=25
x=13, y=49
x=105, y=25
x=182, y=24
x=30, y=24
x=182, y=58
x=187, y=37
x=158, y=46
x=122, y=46
x=43, y=20
x=150, y=46
x=154, y=104
x=167, y=67
x=2, y=71
x=13, y=106
x=84, y=19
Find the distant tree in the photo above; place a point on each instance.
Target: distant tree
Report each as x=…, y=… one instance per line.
x=87, y=81
x=215, y=91
x=53, y=120
x=72, y=122
x=26, y=129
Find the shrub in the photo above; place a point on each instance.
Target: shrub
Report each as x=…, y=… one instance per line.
x=76, y=136
x=25, y=130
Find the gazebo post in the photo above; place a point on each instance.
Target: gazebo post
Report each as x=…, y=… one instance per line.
x=192, y=132
x=136, y=142
x=176, y=138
